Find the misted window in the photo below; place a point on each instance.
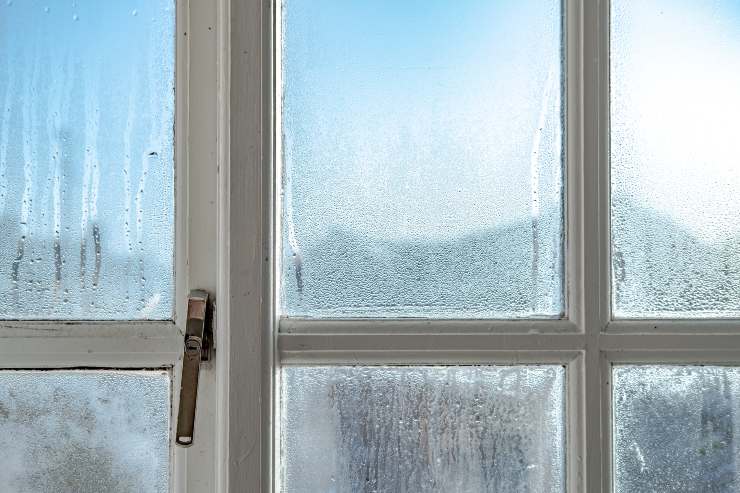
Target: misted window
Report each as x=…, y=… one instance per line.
x=422, y=158
x=674, y=173
x=675, y=231
x=439, y=176
x=86, y=156
x=422, y=177
x=87, y=111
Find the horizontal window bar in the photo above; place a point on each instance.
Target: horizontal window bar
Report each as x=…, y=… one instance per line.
x=90, y=345
x=671, y=343
x=674, y=326
x=423, y=326
x=95, y=329
x=429, y=348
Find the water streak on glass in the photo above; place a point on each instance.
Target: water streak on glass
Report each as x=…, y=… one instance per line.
x=422, y=159
x=675, y=175
x=674, y=429
x=84, y=431
x=430, y=429
x=86, y=159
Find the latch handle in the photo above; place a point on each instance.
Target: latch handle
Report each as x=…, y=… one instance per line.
x=197, y=346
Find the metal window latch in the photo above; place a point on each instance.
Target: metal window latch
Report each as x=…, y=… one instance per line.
x=198, y=342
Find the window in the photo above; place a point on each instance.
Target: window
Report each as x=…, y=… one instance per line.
x=88, y=158
x=396, y=144
x=674, y=428
x=82, y=430
x=404, y=195
x=404, y=192
x=674, y=213
x=103, y=108
x=488, y=248
x=674, y=243
x=422, y=428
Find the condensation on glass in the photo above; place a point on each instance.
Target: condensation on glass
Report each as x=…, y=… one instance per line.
x=422, y=158
x=84, y=431
x=674, y=428
x=675, y=175
x=86, y=159
x=432, y=429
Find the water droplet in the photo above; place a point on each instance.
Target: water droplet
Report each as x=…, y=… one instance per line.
x=135, y=12
x=75, y=17
x=47, y=9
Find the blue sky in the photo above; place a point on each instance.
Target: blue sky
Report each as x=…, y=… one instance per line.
x=421, y=115
x=424, y=122
x=86, y=157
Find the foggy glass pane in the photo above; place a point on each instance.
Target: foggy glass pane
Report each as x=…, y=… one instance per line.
x=86, y=159
x=423, y=429
x=674, y=429
x=84, y=431
x=675, y=177
x=422, y=155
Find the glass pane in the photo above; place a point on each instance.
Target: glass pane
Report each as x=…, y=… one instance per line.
x=422, y=159
x=86, y=159
x=674, y=170
x=430, y=429
x=84, y=431
x=674, y=429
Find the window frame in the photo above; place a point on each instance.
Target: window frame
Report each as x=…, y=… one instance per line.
x=588, y=342
x=201, y=44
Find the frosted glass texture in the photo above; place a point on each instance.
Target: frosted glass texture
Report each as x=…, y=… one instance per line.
x=422, y=159
x=674, y=429
x=84, y=431
x=675, y=174
x=86, y=159
x=423, y=429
